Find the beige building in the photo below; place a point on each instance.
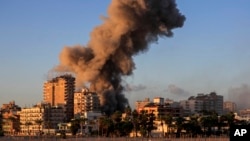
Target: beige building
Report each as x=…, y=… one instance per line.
x=40, y=118
x=60, y=91
x=140, y=104
x=29, y=118
x=211, y=102
x=229, y=106
x=86, y=101
x=245, y=114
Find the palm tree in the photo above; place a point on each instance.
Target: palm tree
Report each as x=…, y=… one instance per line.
x=12, y=122
x=192, y=126
x=74, y=126
x=82, y=122
x=135, y=120
x=1, y=123
x=143, y=122
x=116, y=118
x=27, y=124
x=150, y=123
x=168, y=119
x=39, y=122
x=179, y=125
x=146, y=123
x=209, y=121
x=227, y=120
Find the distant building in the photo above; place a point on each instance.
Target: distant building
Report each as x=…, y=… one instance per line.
x=191, y=106
x=60, y=91
x=11, y=107
x=86, y=101
x=210, y=102
x=28, y=118
x=160, y=109
x=10, y=118
x=229, y=106
x=158, y=100
x=141, y=104
x=245, y=114
x=40, y=117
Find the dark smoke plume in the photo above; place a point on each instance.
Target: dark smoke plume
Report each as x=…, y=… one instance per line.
x=173, y=89
x=130, y=27
x=241, y=96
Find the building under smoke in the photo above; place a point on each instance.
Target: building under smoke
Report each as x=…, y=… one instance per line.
x=86, y=101
x=60, y=92
x=128, y=29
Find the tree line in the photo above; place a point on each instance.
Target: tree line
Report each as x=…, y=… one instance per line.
x=142, y=123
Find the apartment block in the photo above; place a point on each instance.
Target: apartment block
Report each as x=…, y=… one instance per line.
x=191, y=106
x=60, y=91
x=10, y=118
x=29, y=118
x=86, y=101
x=140, y=104
x=159, y=108
x=39, y=118
x=206, y=102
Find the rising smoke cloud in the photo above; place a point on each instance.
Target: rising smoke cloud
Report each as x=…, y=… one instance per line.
x=129, y=28
x=240, y=95
x=173, y=89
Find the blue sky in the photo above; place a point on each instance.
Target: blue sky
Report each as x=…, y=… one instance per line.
x=209, y=53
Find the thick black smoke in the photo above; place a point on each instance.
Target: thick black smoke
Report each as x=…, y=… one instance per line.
x=130, y=27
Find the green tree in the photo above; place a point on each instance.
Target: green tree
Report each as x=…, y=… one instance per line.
x=146, y=123
x=209, y=121
x=168, y=119
x=179, y=121
x=39, y=122
x=82, y=121
x=116, y=118
x=74, y=126
x=13, y=121
x=27, y=124
x=135, y=121
x=106, y=125
x=192, y=126
x=150, y=123
x=227, y=120
x=1, y=124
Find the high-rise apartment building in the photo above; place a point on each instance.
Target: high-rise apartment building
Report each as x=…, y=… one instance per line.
x=191, y=106
x=60, y=91
x=86, y=101
x=211, y=102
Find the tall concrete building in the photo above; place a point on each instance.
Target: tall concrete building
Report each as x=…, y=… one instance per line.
x=60, y=91
x=191, y=106
x=203, y=102
x=86, y=101
x=211, y=102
